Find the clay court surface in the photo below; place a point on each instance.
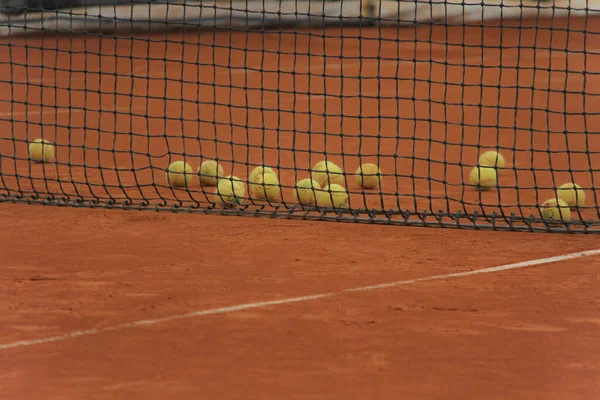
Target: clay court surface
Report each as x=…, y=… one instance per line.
x=527, y=333
x=77, y=282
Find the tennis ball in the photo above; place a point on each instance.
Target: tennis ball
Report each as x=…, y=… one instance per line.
x=256, y=174
x=556, y=210
x=492, y=159
x=179, y=174
x=209, y=172
x=484, y=177
x=230, y=191
x=333, y=195
x=236, y=181
x=327, y=173
x=572, y=194
x=368, y=176
x=266, y=187
x=260, y=171
x=41, y=150
x=305, y=190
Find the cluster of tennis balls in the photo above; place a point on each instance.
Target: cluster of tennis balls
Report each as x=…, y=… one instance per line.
x=569, y=195
x=324, y=187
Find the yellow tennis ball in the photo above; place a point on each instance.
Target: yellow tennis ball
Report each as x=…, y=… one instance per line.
x=236, y=181
x=572, y=194
x=179, y=174
x=209, y=172
x=260, y=171
x=266, y=187
x=304, y=192
x=368, y=176
x=333, y=195
x=327, y=173
x=492, y=159
x=41, y=150
x=483, y=177
x=257, y=174
x=230, y=191
x=555, y=210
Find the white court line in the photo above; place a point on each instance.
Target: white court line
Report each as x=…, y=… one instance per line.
x=362, y=64
x=46, y=110
x=320, y=67
x=247, y=306
x=63, y=110
x=47, y=78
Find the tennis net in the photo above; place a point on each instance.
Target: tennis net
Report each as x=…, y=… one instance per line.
x=132, y=99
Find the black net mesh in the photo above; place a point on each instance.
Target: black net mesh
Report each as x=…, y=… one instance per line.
x=420, y=96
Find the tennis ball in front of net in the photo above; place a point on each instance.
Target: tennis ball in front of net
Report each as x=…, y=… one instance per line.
x=266, y=187
x=230, y=191
x=304, y=192
x=483, y=177
x=492, y=159
x=368, y=176
x=572, y=194
x=260, y=171
x=555, y=210
x=333, y=195
x=179, y=174
x=209, y=172
x=41, y=150
x=327, y=173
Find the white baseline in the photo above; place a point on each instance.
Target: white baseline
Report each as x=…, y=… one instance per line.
x=240, y=307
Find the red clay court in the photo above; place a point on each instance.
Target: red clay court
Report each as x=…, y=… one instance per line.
x=101, y=303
